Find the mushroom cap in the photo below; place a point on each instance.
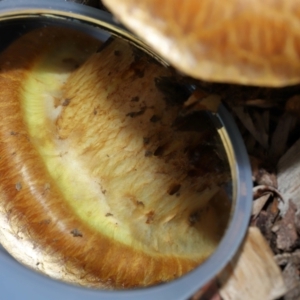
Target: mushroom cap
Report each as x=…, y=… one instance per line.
x=233, y=41
x=95, y=187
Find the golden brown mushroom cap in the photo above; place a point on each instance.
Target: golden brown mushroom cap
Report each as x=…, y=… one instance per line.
x=95, y=184
x=235, y=41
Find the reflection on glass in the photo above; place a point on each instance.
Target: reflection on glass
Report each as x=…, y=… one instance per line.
x=121, y=187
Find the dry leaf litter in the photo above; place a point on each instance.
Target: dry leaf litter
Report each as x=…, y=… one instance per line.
x=268, y=120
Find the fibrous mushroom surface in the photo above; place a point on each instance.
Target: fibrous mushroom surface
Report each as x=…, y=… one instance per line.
x=234, y=41
x=97, y=187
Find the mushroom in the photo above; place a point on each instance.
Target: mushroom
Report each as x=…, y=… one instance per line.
x=97, y=187
x=237, y=41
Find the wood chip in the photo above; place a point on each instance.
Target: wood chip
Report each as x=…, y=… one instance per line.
x=273, y=209
x=250, y=143
x=259, y=122
x=253, y=272
x=280, y=137
x=286, y=230
x=293, y=106
x=266, y=118
x=288, y=177
x=259, y=203
x=297, y=221
x=264, y=222
x=199, y=101
x=260, y=175
x=260, y=190
x=284, y=258
x=266, y=178
x=291, y=280
x=260, y=135
x=211, y=103
x=261, y=103
x=210, y=292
